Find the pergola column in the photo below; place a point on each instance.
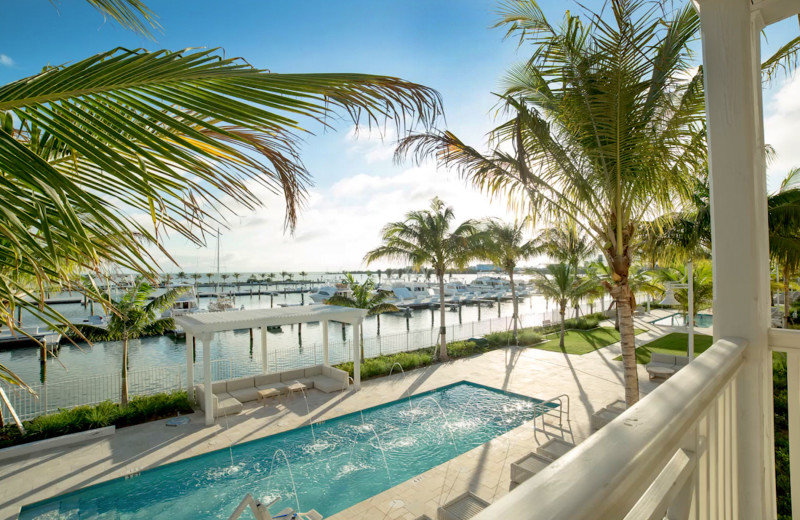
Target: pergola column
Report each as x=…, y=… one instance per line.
x=732, y=77
x=264, y=349
x=357, y=354
x=190, y=367
x=208, y=394
x=325, y=360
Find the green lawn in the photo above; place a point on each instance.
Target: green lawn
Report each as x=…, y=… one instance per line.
x=582, y=341
x=676, y=343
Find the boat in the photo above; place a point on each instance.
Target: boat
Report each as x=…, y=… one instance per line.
x=185, y=304
x=223, y=302
x=327, y=292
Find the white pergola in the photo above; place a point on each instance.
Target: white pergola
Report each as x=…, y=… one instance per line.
x=204, y=325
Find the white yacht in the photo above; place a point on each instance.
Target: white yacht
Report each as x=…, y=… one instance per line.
x=328, y=291
x=186, y=302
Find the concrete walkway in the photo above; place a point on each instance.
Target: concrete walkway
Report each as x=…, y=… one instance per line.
x=592, y=381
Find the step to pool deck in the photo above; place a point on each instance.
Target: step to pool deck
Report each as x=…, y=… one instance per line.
x=592, y=382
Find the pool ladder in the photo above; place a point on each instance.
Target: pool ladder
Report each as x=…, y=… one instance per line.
x=552, y=411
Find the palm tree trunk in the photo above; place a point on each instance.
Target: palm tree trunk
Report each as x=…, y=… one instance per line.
x=378, y=317
x=785, y=297
x=442, y=329
x=123, y=398
x=562, y=311
x=621, y=293
x=515, y=317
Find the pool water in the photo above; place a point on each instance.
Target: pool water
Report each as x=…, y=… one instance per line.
x=353, y=458
x=678, y=320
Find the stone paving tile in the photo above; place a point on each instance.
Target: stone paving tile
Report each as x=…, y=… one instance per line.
x=591, y=382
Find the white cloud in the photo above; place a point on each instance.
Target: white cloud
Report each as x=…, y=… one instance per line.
x=339, y=225
x=6, y=60
x=373, y=144
x=781, y=130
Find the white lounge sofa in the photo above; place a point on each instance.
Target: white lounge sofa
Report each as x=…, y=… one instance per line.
x=665, y=361
x=228, y=396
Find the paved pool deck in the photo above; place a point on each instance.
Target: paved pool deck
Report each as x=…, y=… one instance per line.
x=591, y=381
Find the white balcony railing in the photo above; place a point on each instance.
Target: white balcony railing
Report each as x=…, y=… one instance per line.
x=673, y=454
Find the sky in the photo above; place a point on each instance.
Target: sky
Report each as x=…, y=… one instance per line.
x=448, y=45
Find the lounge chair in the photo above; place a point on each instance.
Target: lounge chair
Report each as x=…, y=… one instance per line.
x=463, y=507
x=526, y=467
x=664, y=366
x=554, y=448
x=605, y=415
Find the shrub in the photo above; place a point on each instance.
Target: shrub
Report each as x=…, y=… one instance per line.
x=781, y=405
x=525, y=337
x=81, y=418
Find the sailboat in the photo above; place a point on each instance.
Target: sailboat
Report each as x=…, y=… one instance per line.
x=222, y=303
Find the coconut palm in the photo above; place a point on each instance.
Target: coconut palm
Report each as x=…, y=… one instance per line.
x=560, y=283
x=504, y=244
x=209, y=276
x=236, y=277
x=426, y=238
x=565, y=243
x=604, y=128
x=134, y=317
x=169, y=134
x=364, y=296
x=196, y=277
x=702, y=285
x=303, y=275
x=687, y=234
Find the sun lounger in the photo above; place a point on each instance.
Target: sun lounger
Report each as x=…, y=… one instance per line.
x=554, y=448
x=526, y=467
x=664, y=366
x=463, y=507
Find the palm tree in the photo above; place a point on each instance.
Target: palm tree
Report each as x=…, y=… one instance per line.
x=181, y=276
x=134, y=317
x=561, y=284
x=303, y=275
x=289, y=276
x=224, y=277
x=209, y=276
x=505, y=246
x=165, y=132
x=604, y=129
x=195, y=277
x=702, y=285
x=687, y=234
x=389, y=273
x=565, y=243
x=364, y=297
x=425, y=238
x=379, y=275
x=236, y=277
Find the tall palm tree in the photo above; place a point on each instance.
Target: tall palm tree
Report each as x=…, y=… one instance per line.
x=181, y=276
x=565, y=243
x=687, y=234
x=303, y=274
x=364, y=296
x=283, y=275
x=167, y=133
x=209, y=276
x=702, y=285
x=195, y=277
x=505, y=246
x=236, y=277
x=603, y=128
x=134, y=317
x=425, y=238
x=561, y=284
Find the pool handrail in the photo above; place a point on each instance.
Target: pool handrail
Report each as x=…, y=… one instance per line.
x=260, y=511
x=544, y=409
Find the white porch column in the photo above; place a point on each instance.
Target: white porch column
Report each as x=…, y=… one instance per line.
x=264, y=349
x=357, y=354
x=731, y=59
x=208, y=394
x=325, y=343
x=189, y=366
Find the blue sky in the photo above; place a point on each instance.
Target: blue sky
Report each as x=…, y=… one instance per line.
x=445, y=44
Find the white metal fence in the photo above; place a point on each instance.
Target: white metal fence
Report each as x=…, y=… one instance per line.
x=52, y=396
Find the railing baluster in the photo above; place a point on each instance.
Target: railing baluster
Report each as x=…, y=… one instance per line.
x=793, y=394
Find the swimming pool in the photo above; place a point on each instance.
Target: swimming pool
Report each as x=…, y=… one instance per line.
x=677, y=320
x=334, y=466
